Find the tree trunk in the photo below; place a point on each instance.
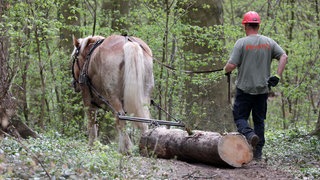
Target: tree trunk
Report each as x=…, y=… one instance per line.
x=119, y=10
x=7, y=104
x=4, y=45
x=202, y=146
x=67, y=113
x=7, y=101
x=211, y=100
x=65, y=31
x=316, y=131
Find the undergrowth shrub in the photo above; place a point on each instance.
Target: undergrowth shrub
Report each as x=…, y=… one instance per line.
x=70, y=158
x=294, y=151
x=61, y=157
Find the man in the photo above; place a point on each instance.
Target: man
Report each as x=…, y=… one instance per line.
x=252, y=56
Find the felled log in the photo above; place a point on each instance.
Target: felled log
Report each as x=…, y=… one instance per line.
x=230, y=149
x=19, y=129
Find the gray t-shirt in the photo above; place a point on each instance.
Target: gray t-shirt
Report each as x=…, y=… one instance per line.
x=253, y=55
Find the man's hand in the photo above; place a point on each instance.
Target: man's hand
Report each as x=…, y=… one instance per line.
x=228, y=68
x=273, y=80
x=225, y=72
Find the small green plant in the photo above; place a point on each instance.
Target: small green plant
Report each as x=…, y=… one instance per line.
x=293, y=151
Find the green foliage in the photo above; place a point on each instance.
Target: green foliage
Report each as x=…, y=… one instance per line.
x=42, y=84
x=61, y=157
x=294, y=152
x=69, y=158
x=169, y=35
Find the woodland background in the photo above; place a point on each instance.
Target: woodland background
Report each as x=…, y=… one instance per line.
x=188, y=35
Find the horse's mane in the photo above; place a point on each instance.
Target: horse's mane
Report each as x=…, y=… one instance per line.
x=86, y=41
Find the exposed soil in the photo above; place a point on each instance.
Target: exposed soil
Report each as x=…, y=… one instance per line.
x=151, y=168
x=175, y=169
x=138, y=167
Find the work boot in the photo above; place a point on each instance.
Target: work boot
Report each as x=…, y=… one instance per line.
x=257, y=155
x=253, y=140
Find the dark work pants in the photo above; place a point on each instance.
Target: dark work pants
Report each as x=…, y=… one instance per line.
x=244, y=105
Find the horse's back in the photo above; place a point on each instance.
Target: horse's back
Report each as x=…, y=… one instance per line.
x=108, y=67
x=114, y=41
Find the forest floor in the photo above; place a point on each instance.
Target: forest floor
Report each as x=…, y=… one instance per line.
x=295, y=158
x=150, y=168
x=175, y=169
x=137, y=167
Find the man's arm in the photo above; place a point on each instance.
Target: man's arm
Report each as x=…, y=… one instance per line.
x=282, y=64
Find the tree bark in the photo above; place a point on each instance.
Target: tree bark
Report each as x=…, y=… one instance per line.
x=65, y=31
x=7, y=104
x=206, y=147
x=316, y=131
x=212, y=99
x=7, y=101
x=119, y=10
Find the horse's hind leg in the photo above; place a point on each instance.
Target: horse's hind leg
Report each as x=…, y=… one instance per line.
x=141, y=126
x=125, y=143
x=92, y=126
x=144, y=113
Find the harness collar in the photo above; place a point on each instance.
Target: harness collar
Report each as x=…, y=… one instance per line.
x=84, y=70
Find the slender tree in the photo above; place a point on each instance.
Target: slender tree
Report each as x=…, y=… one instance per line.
x=7, y=104
x=317, y=106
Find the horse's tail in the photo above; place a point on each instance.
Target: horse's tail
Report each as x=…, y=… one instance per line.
x=134, y=81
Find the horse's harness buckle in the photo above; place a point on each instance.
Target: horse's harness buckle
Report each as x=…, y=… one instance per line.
x=83, y=78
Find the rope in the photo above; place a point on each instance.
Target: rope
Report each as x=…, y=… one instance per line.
x=84, y=79
x=159, y=107
x=171, y=68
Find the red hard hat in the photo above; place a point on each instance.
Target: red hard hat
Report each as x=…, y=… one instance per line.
x=251, y=17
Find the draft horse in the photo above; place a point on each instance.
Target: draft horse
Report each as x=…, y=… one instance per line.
x=117, y=71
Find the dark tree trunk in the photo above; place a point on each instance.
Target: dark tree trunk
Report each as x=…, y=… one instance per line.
x=66, y=45
x=211, y=99
x=8, y=120
x=7, y=104
x=316, y=131
x=65, y=32
x=119, y=9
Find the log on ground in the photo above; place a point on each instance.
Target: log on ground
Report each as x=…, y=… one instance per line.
x=231, y=149
x=19, y=129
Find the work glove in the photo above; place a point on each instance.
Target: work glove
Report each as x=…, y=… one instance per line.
x=273, y=80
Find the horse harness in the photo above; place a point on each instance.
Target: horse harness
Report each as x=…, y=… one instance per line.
x=83, y=78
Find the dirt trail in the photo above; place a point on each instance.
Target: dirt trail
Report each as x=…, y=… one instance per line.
x=174, y=169
x=141, y=168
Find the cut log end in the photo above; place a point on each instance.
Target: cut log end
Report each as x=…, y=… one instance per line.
x=234, y=149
